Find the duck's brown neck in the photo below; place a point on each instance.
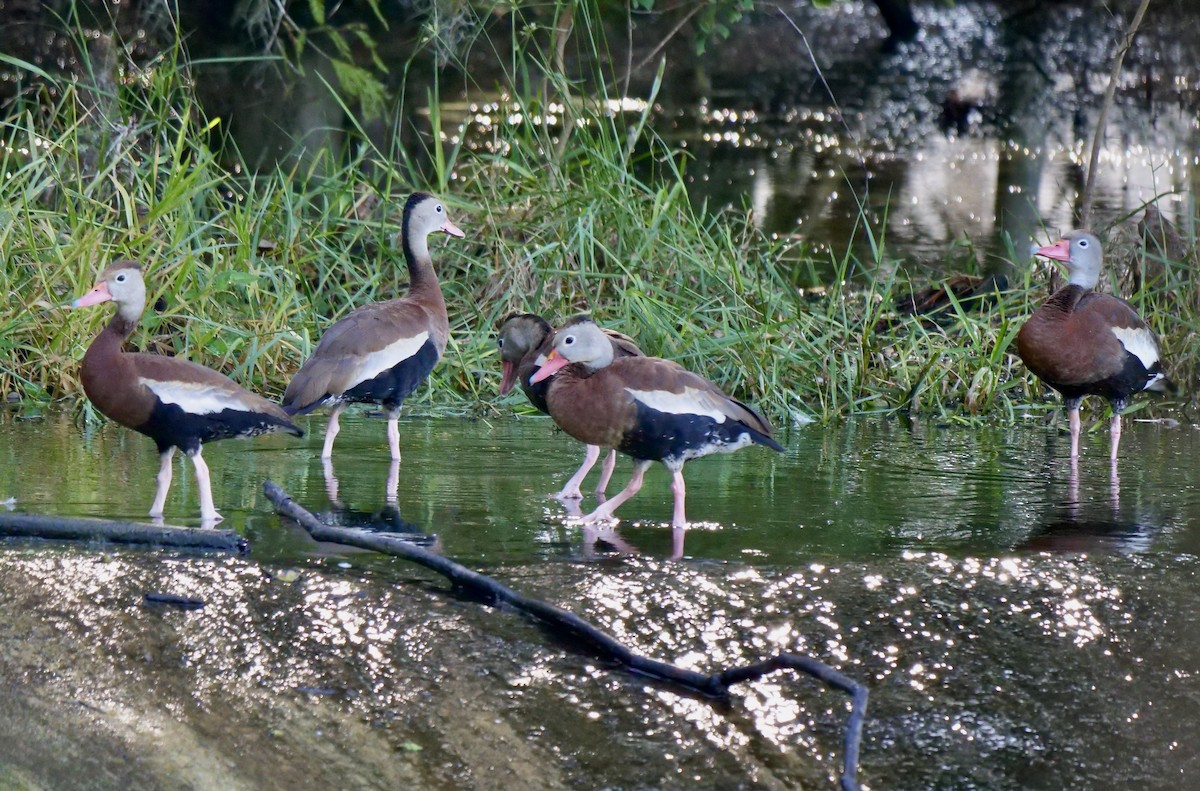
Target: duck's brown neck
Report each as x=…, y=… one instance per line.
x=576, y=372
x=112, y=338
x=103, y=371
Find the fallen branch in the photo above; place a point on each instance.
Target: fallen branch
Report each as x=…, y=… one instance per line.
x=601, y=643
x=63, y=528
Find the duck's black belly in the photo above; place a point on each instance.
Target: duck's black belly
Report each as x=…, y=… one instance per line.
x=1132, y=378
x=673, y=438
x=170, y=426
x=397, y=383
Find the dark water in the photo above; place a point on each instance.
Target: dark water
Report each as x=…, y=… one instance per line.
x=978, y=130
x=1020, y=627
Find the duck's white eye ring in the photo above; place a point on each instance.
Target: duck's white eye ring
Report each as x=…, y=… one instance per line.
x=500, y=343
x=120, y=278
x=1083, y=242
x=439, y=208
x=567, y=341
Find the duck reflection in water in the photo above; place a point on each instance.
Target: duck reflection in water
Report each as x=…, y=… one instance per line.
x=386, y=519
x=1078, y=525
x=391, y=486
x=594, y=533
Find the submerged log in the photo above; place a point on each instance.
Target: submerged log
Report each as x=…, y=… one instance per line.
x=64, y=528
x=173, y=600
x=599, y=642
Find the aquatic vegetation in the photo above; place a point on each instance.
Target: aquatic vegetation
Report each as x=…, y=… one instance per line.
x=259, y=264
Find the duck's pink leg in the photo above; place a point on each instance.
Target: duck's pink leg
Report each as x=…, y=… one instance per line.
x=680, y=491
x=606, y=471
x=393, y=432
x=208, y=511
x=1073, y=488
x=332, y=430
x=677, y=536
x=606, y=510
x=164, y=481
x=331, y=481
x=1115, y=431
x=571, y=490
x=1114, y=487
x=1073, y=418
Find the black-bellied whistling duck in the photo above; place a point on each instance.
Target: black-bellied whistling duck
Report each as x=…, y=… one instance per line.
x=380, y=353
x=1083, y=343
x=524, y=341
x=646, y=407
x=176, y=403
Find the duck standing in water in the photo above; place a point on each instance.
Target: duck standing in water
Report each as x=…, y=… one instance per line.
x=524, y=341
x=380, y=353
x=1083, y=343
x=646, y=407
x=176, y=403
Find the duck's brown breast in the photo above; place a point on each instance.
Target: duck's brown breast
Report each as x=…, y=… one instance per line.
x=1075, y=339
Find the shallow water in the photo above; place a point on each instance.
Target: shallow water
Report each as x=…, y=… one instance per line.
x=1019, y=627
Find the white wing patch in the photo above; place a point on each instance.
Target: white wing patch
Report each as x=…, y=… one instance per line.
x=1139, y=342
x=690, y=402
x=390, y=356
x=196, y=398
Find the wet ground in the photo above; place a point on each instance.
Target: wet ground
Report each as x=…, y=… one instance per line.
x=1020, y=627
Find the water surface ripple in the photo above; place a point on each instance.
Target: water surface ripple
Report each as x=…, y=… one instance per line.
x=1020, y=625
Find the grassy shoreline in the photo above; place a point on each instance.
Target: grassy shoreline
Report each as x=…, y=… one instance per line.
x=254, y=267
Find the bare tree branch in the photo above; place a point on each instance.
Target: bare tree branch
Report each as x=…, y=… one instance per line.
x=599, y=642
x=1085, y=213
x=65, y=528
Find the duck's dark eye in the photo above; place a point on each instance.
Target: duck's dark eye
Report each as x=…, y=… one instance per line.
x=500, y=342
x=1082, y=243
x=120, y=278
x=439, y=208
x=567, y=341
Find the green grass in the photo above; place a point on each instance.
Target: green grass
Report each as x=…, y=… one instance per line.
x=254, y=267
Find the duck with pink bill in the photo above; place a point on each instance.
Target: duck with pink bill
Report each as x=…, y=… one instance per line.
x=1081, y=342
x=524, y=341
x=175, y=402
x=380, y=353
x=648, y=408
